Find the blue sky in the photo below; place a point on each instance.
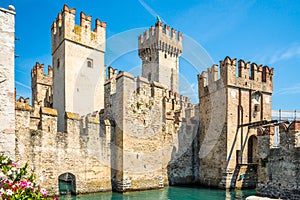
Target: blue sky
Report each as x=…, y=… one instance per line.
x=265, y=32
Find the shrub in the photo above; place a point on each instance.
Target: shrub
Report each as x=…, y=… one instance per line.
x=17, y=184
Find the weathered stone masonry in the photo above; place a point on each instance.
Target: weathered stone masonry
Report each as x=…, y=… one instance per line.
x=155, y=128
x=226, y=103
x=279, y=163
x=80, y=150
x=7, y=78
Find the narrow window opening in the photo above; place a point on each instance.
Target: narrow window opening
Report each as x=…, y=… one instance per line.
x=58, y=63
x=149, y=77
x=90, y=63
x=165, y=55
x=256, y=108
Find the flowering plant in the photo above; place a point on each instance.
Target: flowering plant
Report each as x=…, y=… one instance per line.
x=16, y=184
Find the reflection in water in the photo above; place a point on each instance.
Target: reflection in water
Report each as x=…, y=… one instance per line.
x=169, y=193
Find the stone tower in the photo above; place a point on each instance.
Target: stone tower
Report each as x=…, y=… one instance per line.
x=229, y=109
x=7, y=78
x=78, y=64
x=41, y=85
x=159, y=49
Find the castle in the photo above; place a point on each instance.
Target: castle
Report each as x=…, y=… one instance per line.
x=85, y=132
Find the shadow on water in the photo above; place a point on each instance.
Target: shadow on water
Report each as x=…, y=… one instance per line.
x=169, y=193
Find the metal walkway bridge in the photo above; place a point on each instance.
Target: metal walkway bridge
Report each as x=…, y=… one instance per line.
x=285, y=115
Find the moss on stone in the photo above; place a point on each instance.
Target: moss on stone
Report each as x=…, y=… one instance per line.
x=23, y=106
x=49, y=111
x=70, y=115
x=93, y=120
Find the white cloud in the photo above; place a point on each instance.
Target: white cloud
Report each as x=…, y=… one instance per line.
x=295, y=89
x=23, y=85
x=291, y=52
x=150, y=10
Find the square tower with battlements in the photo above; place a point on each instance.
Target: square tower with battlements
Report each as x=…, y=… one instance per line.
x=230, y=108
x=78, y=64
x=41, y=85
x=159, y=48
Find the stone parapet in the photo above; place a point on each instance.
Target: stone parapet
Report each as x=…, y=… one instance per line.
x=250, y=76
x=159, y=37
x=64, y=27
x=48, y=111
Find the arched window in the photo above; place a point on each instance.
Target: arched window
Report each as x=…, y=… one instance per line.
x=90, y=63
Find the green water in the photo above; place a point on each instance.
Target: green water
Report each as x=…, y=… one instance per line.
x=170, y=193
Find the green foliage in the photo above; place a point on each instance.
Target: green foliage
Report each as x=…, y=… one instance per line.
x=17, y=184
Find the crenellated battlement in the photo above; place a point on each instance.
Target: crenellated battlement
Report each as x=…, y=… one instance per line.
x=160, y=38
x=41, y=84
x=64, y=27
x=250, y=76
x=112, y=73
x=23, y=104
x=145, y=91
x=38, y=74
x=146, y=88
x=44, y=118
x=144, y=94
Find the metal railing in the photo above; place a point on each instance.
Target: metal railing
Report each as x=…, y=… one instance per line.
x=285, y=115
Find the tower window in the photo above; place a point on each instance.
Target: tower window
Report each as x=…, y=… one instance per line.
x=149, y=77
x=256, y=108
x=150, y=58
x=89, y=63
x=58, y=63
x=165, y=55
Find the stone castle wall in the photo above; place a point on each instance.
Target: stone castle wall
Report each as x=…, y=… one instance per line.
x=154, y=132
x=144, y=138
x=83, y=150
x=279, y=164
x=7, y=78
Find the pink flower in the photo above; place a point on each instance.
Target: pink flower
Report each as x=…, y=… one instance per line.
x=23, y=184
x=13, y=164
x=43, y=192
x=29, y=184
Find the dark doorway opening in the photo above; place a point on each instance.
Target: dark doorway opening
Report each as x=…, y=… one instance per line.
x=67, y=184
x=252, y=150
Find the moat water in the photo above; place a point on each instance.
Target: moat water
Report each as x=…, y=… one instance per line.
x=170, y=193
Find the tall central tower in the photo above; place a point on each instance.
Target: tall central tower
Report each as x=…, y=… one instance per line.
x=159, y=49
x=78, y=64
